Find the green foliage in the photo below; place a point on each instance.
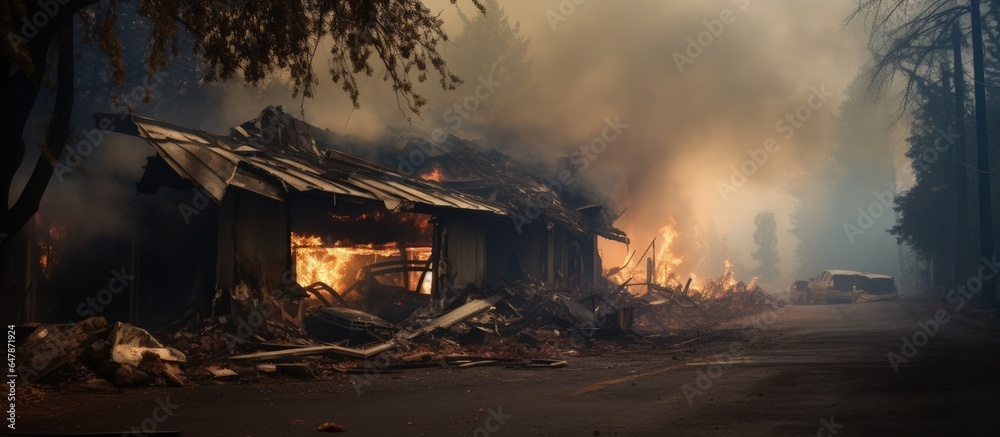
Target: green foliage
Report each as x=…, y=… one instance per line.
x=926, y=209
x=765, y=236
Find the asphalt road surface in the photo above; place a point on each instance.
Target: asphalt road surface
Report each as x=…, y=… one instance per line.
x=809, y=370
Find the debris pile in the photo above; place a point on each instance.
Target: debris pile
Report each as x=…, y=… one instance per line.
x=720, y=298
x=510, y=325
x=739, y=300
x=519, y=324
x=122, y=354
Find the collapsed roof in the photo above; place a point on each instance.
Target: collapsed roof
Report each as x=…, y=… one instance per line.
x=275, y=154
x=291, y=162
x=502, y=180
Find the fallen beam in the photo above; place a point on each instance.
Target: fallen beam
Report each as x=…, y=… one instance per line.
x=456, y=315
x=319, y=350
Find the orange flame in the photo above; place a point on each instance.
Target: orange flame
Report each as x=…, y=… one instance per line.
x=435, y=175
x=316, y=262
x=340, y=266
x=48, y=254
x=718, y=286
x=667, y=261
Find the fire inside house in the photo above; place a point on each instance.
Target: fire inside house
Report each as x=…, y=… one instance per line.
x=296, y=215
x=279, y=240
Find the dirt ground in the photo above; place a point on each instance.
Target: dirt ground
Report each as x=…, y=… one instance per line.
x=805, y=370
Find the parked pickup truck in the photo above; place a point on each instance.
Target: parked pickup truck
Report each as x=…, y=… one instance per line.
x=834, y=286
x=798, y=292
x=876, y=287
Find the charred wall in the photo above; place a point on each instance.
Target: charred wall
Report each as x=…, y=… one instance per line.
x=253, y=244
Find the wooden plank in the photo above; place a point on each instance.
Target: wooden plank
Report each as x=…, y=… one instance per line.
x=318, y=350
x=456, y=315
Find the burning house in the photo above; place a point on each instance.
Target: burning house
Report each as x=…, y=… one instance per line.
x=305, y=244
x=279, y=217
x=553, y=228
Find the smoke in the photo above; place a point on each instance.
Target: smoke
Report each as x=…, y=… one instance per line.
x=689, y=124
x=688, y=127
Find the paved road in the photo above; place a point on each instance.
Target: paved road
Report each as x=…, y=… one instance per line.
x=807, y=370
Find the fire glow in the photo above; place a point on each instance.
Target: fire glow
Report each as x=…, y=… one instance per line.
x=666, y=261
x=435, y=174
x=666, y=266
x=340, y=266
x=48, y=255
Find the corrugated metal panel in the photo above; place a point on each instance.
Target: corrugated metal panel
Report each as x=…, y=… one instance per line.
x=205, y=167
x=211, y=162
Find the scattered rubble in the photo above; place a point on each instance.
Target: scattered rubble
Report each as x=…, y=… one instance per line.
x=50, y=347
x=511, y=325
x=720, y=298
x=124, y=355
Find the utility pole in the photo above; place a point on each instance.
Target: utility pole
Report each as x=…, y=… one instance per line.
x=983, y=153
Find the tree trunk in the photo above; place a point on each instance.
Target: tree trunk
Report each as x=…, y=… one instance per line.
x=22, y=91
x=961, y=259
x=983, y=153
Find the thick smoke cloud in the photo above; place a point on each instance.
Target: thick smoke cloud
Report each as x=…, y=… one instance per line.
x=601, y=60
x=687, y=129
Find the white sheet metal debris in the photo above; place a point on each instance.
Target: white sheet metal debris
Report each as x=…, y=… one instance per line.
x=459, y=314
x=318, y=350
